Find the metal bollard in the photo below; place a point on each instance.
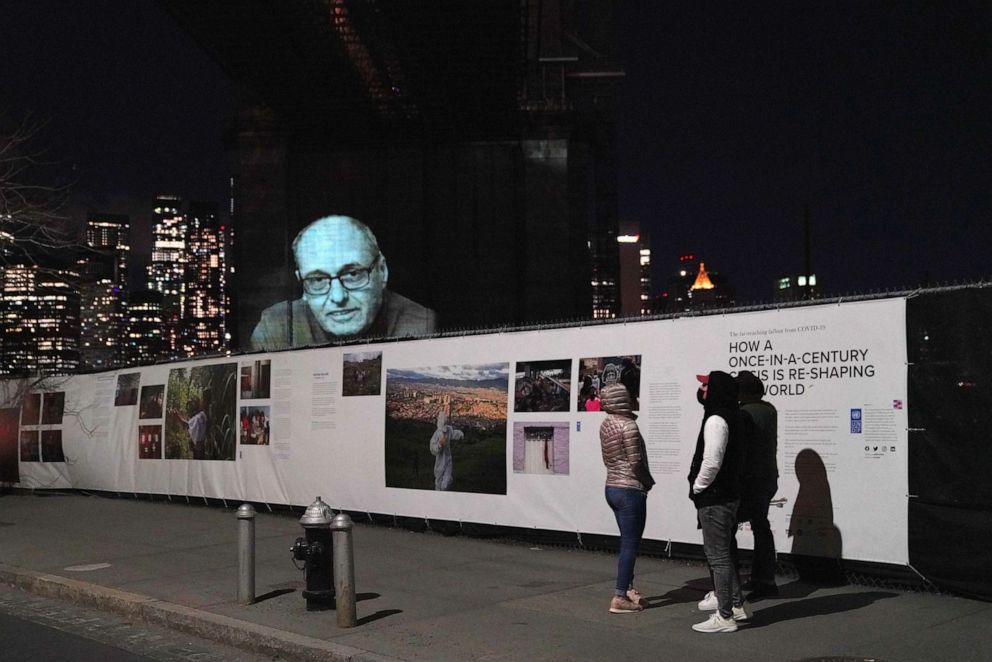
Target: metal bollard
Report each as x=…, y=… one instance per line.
x=246, y=554
x=344, y=570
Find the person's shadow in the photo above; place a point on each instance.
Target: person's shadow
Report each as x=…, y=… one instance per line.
x=692, y=591
x=817, y=544
x=819, y=606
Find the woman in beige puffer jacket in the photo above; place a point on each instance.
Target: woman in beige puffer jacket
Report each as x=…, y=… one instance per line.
x=628, y=479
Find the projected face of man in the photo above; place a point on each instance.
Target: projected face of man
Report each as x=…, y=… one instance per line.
x=344, y=274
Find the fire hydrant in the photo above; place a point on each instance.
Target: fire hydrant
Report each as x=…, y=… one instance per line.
x=316, y=551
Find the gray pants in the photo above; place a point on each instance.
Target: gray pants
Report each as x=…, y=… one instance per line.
x=719, y=525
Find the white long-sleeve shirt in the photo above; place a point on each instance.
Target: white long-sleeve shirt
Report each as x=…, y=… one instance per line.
x=198, y=427
x=716, y=432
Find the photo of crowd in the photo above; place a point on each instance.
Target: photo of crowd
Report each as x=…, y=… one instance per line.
x=542, y=386
x=596, y=373
x=255, y=426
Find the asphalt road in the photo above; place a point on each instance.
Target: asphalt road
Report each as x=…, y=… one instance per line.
x=24, y=640
x=41, y=629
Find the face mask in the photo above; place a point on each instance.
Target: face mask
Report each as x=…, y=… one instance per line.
x=699, y=396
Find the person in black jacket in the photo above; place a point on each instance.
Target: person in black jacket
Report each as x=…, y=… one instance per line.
x=715, y=489
x=760, y=482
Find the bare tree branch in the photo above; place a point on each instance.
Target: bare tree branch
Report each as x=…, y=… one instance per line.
x=33, y=194
x=40, y=246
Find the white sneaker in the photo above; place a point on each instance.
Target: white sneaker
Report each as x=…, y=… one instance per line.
x=716, y=623
x=743, y=613
x=709, y=602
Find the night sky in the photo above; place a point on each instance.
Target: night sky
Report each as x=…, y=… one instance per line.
x=734, y=118
x=875, y=115
x=133, y=106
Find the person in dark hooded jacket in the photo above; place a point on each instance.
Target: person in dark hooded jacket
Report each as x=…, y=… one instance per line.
x=628, y=479
x=715, y=489
x=760, y=482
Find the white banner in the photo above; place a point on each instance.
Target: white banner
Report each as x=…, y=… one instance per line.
x=490, y=428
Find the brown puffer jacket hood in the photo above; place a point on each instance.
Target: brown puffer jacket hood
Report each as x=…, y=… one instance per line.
x=616, y=400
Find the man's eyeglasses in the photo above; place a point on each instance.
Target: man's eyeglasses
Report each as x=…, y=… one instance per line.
x=351, y=279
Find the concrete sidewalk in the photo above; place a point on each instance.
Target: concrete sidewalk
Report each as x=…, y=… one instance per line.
x=424, y=596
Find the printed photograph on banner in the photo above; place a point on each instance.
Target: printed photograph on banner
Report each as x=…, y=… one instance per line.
x=30, y=450
x=9, y=472
x=53, y=408
x=540, y=448
x=542, y=385
x=149, y=442
x=127, y=389
x=256, y=379
x=200, y=421
x=446, y=428
x=362, y=374
x=51, y=446
x=31, y=409
x=595, y=373
x=255, y=426
x=152, y=400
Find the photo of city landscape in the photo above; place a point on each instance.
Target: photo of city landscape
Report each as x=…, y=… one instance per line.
x=467, y=405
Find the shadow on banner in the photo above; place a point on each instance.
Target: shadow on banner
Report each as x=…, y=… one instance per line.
x=817, y=544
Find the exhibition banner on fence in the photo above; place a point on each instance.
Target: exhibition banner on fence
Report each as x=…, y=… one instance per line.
x=500, y=429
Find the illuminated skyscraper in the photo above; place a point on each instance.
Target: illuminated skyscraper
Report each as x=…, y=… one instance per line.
x=644, y=261
x=39, y=313
x=605, y=291
x=695, y=287
x=796, y=288
x=168, y=268
x=635, y=274
x=103, y=268
x=145, y=338
x=710, y=290
x=205, y=300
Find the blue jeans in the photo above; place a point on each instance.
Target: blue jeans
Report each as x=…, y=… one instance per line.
x=630, y=507
x=719, y=525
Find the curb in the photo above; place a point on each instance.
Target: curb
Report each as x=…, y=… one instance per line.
x=223, y=629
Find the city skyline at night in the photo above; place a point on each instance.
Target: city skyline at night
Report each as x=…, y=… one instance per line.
x=731, y=126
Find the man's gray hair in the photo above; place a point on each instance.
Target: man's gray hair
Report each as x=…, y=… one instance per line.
x=363, y=229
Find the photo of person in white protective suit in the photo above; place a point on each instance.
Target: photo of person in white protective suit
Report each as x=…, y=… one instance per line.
x=441, y=447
